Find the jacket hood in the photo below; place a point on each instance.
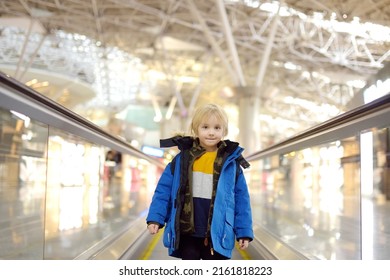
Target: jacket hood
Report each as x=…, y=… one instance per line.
x=186, y=142
x=182, y=142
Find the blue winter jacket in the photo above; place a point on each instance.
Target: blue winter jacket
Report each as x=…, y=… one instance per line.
x=232, y=216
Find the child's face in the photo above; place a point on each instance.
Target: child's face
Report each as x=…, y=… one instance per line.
x=210, y=132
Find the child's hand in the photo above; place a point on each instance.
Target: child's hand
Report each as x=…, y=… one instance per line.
x=243, y=243
x=153, y=228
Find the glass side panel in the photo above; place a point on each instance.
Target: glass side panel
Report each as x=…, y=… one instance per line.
x=60, y=194
x=329, y=201
x=375, y=190
x=23, y=153
x=92, y=193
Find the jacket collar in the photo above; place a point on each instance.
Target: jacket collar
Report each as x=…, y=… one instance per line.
x=186, y=142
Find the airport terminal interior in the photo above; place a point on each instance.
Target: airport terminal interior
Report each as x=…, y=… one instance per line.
x=89, y=87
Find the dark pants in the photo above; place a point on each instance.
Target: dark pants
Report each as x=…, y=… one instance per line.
x=193, y=248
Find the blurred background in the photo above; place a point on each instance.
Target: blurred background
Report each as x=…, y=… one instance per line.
x=89, y=87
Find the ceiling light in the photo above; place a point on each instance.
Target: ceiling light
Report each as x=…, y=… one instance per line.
x=377, y=90
x=291, y=66
x=31, y=82
x=356, y=83
x=227, y=92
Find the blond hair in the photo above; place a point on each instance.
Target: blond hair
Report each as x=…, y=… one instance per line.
x=207, y=111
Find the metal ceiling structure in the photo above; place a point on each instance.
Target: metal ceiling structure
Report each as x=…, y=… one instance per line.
x=301, y=54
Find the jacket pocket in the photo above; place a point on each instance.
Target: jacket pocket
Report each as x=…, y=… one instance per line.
x=228, y=236
x=167, y=237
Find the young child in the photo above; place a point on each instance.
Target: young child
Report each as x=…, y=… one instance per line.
x=202, y=197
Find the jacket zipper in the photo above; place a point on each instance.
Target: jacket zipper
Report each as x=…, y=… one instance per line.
x=206, y=243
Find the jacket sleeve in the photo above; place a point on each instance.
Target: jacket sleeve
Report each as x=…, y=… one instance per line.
x=243, y=212
x=161, y=202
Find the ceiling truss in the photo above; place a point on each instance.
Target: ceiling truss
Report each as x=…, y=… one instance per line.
x=294, y=48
